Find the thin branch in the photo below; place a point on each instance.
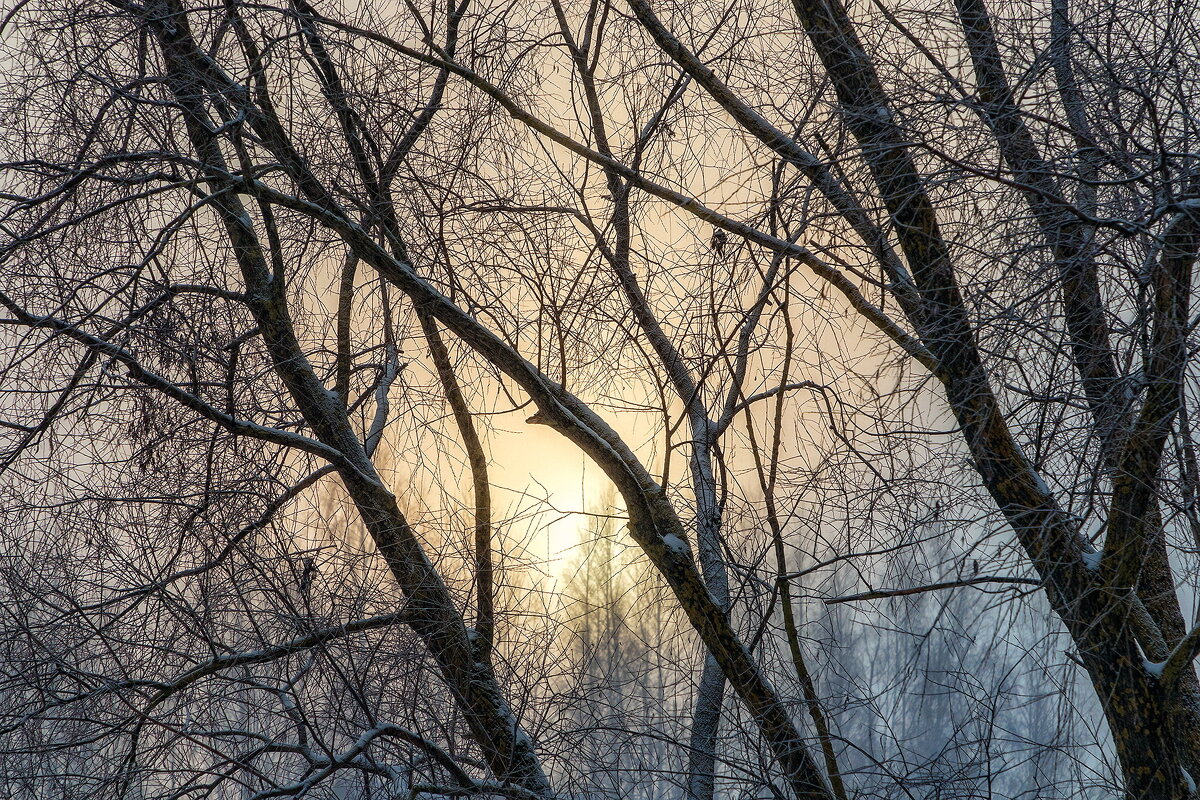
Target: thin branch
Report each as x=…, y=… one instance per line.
x=880, y=594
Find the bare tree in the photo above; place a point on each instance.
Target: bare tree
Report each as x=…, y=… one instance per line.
x=832, y=294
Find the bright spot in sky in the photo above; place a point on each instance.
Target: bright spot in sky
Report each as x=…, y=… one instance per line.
x=537, y=469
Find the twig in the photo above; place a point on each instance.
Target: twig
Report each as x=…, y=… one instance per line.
x=879, y=594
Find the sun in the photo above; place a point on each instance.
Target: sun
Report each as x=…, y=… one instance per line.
x=547, y=483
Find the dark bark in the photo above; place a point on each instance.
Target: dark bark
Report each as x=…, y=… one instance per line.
x=507, y=750
x=1136, y=707
x=485, y=620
